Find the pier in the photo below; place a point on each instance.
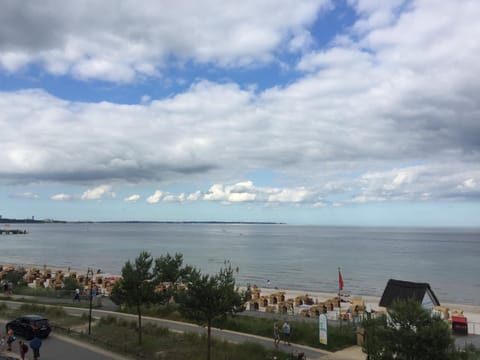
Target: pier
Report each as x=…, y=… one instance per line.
x=12, y=232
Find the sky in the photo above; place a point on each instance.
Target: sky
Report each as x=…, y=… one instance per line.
x=348, y=112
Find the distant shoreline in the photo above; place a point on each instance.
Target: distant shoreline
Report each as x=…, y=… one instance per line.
x=32, y=221
x=178, y=222
x=28, y=221
x=200, y=222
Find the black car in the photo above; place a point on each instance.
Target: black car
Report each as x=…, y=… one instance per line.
x=30, y=326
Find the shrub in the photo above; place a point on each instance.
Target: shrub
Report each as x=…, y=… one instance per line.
x=16, y=277
x=71, y=284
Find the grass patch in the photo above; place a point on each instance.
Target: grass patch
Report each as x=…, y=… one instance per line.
x=169, y=312
x=121, y=336
x=43, y=292
x=303, y=332
x=306, y=333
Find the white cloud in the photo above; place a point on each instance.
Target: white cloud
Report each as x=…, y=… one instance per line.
x=301, y=41
x=362, y=199
x=26, y=195
x=132, y=198
x=242, y=186
x=61, y=197
x=145, y=99
x=289, y=195
x=376, y=14
x=241, y=197
x=92, y=41
x=98, y=193
x=170, y=198
x=155, y=197
x=319, y=204
x=419, y=183
x=239, y=192
x=13, y=61
x=173, y=198
x=469, y=185
x=398, y=89
x=246, y=191
x=215, y=193
x=194, y=196
x=344, y=57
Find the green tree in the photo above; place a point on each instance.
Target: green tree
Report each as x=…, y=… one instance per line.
x=374, y=338
x=169, y=269
x=136, y=287
x=71, y=283
x=117, y=294
x=210, y=297
x=409, y=332
x=16, y=277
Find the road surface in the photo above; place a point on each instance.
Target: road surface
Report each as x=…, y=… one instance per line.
x=57, y=347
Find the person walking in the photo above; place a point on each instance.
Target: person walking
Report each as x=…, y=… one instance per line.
x=36, y=344
x=10, y=338
x=276, y=335
x=23, y=349
x=77, y=295
x=286, y=332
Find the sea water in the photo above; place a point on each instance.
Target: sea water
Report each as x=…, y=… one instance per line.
x=289, y=257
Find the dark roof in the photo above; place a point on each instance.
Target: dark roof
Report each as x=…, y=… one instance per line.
x=404, y=290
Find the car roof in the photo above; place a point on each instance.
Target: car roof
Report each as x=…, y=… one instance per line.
x=33, y=317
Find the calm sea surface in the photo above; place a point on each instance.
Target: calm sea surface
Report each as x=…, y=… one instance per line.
x=292, y=257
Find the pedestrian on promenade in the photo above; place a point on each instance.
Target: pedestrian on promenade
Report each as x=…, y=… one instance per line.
x=368, y=310
x=36, y=344
x=10, y=338
x=276, y=335
x=286, y=332
x=77, y=295
x=23, y=349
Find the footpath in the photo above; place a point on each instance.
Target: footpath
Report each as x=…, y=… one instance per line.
x=108, y=308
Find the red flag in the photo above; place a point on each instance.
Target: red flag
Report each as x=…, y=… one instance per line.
x=340, y=280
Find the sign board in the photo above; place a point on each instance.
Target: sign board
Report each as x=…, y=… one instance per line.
x=322, y=328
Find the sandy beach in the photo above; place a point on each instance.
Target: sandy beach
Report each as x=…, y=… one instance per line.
x=471, y=312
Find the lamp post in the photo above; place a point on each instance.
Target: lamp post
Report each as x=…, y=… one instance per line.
x=90, y=272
